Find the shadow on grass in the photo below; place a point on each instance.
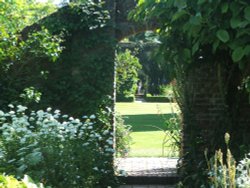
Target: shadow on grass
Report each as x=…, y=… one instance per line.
x=147, y=122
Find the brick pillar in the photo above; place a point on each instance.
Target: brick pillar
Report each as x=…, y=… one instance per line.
x=212, y=106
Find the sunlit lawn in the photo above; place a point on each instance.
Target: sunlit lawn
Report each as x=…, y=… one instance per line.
x=147, y=120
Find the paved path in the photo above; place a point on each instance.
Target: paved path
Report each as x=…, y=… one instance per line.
x=146, y=186
x=150, y=166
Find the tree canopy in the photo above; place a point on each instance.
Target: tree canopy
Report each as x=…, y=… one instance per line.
x=205, y=30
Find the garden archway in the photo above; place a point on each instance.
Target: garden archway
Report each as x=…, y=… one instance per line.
x=87, y=66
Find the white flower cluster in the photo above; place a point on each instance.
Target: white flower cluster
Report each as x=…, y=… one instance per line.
x=39, y=134
x=243, y=173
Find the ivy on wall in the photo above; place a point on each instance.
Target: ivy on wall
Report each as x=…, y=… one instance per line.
x=82, y=77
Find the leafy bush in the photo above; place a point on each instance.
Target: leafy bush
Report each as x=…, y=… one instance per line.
x=11, y=182
x=127, y=67
x=123, y=138
x=172, y=138
x=56, y=149
x=167, y=90
x=228, y=174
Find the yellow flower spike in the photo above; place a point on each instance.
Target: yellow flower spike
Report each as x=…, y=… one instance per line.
x=227, y=138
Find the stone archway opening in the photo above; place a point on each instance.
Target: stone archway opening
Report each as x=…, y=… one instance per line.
x=148, y=168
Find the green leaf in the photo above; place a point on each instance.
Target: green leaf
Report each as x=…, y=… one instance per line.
x=196, y=20
x=200, y=2
x=224, y=8
x=223, y=35
x=215, y=45
x=235, y=22
x=238, y=54
x=34, y=158
x=195, y=48
x=140, y=2
x=180, y=4
x=187, y=53
x=247, y=50
x=241, y=65
x=235, y=8
x=178, y=15
x=247, y=13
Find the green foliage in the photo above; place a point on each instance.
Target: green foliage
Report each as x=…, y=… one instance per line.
x=16, y=14
x=190, y=30
x=127, y=67
x=81, y=79
x=79, y=82
x=122, y=136
x=167, y=90
x=16, y=55
x=31, y=94
x=11, y=182
x=172, y=138
x=195, y=33
x=155, y=71
x=17, y=65
x=56, y=149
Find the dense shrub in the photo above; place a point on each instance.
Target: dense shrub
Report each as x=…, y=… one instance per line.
x=56, y=149
x=83, y=73
x=122, y=136
x=11, y=182
x=127, y=67
x=167, y=90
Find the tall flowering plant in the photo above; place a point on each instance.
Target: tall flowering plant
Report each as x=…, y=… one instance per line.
x=55, y=149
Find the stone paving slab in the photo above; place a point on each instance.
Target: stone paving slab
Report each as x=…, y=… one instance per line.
x=146, y=186
x=150, y=166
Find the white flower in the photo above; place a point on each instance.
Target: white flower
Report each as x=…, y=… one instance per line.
x=40, y=113
x=86, y=144
x=95, y=168
x=65, y=116
x=1, y=113
x=32, y=119
x=90, y=127
x=11, y=112
x=11, y=105
x=57, y=111
x=85, y=117
x=48, y=109
x=77, y=120
x=92, y=116
x=105, y=132
x=110, y=142
x=21, y=108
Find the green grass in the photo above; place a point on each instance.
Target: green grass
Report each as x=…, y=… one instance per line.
x=125, y=108
x=149, y=144
x=146, y=119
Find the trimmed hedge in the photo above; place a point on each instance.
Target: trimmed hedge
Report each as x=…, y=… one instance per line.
x=157, y=99
x=125, y=99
